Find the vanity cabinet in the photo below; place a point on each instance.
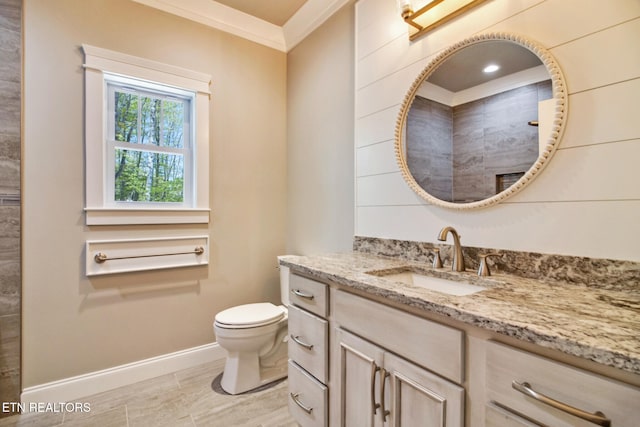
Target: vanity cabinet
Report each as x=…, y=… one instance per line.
x=364, y=353
x=308, y=351
x=378, y=388
x=523, y=389
x=393, y=368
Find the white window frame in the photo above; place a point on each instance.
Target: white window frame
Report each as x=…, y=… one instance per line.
x=100, y=66
x=125, y=84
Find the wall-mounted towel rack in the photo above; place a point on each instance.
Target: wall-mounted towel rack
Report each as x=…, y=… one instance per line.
x=142, y=254
x=102, y=257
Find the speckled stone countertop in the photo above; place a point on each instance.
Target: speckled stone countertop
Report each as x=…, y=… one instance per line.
x=602, y=325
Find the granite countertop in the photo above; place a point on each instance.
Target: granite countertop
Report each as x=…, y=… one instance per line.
x=601, y=325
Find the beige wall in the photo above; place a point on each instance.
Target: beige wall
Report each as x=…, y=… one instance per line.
x=277, y=186
x=320, y=77
x=586, y=202
x=75, y=325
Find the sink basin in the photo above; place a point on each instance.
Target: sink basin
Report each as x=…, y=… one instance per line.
x=438, y=284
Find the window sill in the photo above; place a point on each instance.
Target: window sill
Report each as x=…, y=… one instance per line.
x=105, y=216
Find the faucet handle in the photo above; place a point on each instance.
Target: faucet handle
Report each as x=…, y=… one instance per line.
x=437, y=261
x=483, y=270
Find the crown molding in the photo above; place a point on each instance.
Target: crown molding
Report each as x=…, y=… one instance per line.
x=216, y=15
x=309, y=17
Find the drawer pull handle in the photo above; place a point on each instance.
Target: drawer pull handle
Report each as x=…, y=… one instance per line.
x=301, y=294
x=384, y=374
x=305, y=408
x=296, y=338
x=374, y=369
x=597, y=418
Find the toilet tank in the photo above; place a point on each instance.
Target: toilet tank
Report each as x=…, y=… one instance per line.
x=284, y=284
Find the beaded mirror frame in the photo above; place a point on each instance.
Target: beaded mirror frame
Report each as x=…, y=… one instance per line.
x=559, y=92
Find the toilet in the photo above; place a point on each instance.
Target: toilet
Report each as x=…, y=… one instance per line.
x=255, y=338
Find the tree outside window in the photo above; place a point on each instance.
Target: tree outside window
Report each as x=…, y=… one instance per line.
x=149, y=144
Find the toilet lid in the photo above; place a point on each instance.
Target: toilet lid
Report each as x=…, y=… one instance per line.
x=250, y=315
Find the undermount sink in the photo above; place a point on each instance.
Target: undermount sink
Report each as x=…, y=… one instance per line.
x=438, y=284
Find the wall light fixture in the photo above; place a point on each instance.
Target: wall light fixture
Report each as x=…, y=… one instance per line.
x=432, y=14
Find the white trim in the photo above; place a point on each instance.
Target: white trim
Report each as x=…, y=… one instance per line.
x=126, y=255
x=99, y=61
x=80, y=386
x=216, y=15
x=225, y=18
x=310, y=16
x=512, y=81
x=116, y=83
x=106, y=216
x=503, y=84
x=111, y=61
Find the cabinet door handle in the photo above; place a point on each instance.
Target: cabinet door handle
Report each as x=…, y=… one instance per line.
x=597, y=418
x=383, y=381
x=301, y=294
x=374, y=369
x=296, y=338
x=305, y=408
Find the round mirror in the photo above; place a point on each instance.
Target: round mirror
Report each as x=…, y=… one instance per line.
x=480, y=121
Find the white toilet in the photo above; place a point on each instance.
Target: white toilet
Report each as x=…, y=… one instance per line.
x=255, y=337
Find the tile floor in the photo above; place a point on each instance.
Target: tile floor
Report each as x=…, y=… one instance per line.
x=191, y=397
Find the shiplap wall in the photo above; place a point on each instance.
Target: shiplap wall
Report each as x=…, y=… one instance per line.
x=586, y=202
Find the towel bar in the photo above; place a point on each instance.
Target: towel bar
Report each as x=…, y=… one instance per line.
x=102, y=257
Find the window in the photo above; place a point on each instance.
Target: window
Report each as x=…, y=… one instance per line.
x=146, y=141
x=149, y=149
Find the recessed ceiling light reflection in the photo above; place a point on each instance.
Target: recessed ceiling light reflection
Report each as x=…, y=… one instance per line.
x=491, y=68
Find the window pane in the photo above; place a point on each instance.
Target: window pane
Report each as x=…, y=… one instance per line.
x=150, y=120
x=173, y=123
x=126, y=117
x=142, y=176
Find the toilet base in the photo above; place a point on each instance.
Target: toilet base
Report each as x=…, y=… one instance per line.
x=246, y=371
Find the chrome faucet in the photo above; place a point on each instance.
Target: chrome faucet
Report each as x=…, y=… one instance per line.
x=457, y=263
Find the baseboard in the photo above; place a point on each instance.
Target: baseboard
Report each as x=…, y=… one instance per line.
x=75, y=388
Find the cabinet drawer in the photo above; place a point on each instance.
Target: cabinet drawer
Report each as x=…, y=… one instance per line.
x=434, y=346
x=308, y=337
x=308, y=294
x=307, y=398
x=500, y=417
x=577, y=388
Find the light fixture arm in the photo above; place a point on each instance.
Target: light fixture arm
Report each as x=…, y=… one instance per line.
x=439, y=18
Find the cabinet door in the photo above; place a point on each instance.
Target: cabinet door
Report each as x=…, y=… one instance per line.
x=359, y=363
x=378, y=388
x=418, y=397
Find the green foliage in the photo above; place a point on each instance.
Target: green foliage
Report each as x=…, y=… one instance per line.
x=142, y=175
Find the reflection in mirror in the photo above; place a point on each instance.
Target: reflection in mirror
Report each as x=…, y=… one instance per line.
x=480, y=121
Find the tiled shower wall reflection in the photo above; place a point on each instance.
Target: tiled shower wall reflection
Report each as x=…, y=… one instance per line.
x=488, y=137
x=10, y=75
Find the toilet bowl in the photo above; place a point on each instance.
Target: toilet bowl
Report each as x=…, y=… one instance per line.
x=255, y=338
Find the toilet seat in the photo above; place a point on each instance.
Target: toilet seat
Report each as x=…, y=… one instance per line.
x=250, y=316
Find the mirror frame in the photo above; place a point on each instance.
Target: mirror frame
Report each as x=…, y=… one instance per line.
x=560, y=112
